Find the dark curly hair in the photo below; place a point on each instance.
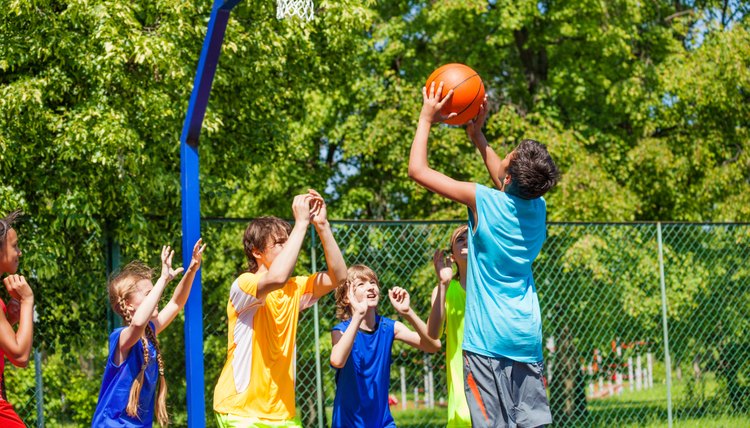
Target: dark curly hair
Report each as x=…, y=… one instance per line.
x=6, y=224
x=532, y=170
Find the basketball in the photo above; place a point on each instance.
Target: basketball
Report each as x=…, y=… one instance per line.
x=468, y=91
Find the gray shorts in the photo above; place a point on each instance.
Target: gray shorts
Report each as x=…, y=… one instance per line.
x=505, y=393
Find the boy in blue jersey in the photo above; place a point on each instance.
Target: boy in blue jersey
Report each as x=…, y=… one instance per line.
x=361, y=351
x=503, y=326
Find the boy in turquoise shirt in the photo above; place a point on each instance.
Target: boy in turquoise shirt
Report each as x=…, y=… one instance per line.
x=503, y=328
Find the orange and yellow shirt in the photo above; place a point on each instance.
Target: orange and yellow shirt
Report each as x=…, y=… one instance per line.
x=258, y=376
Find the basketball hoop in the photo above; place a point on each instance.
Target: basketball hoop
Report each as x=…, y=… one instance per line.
x=302, y=9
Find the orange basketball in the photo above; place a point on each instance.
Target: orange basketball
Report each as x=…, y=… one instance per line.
x=468, y=91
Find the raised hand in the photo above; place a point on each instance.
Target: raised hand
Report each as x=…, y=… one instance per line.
x=301, y=208
x=318, y=208
x=443, y=266
x=358, y=307
x=18, y=288
x=197, y=258
x=166, y=264
x=475, y=125
x=433, y=103
x=399, y=299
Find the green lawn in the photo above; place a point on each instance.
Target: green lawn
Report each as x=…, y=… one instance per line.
x=704, y=407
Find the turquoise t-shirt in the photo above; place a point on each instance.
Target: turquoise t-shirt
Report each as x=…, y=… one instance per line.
x=502, y=308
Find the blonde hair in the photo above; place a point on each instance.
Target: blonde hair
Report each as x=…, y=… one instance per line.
x=353, y=274
x=121, y=286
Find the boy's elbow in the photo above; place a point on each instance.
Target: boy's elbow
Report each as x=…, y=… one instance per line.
x=336, y=363
x=413, y=172
x=418, y=174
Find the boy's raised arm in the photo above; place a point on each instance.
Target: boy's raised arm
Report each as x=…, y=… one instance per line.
x=336, y=274
x=419, y=339
x=491, y=159
x=419, y=169
x=283, y=265
x=343, y=342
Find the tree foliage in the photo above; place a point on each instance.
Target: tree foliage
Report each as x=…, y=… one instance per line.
x=645, y=106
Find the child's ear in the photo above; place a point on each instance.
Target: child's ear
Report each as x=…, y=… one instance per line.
x=257, y=254
x=507, y=179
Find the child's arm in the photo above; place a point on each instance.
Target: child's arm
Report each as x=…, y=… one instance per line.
x=419, y=170
x=17, y=344
x=343, y=342
x=14, y=311
x=491, y=159
x=327, y=281
x=419, y=339
x=444, y=272
x=182, y=291
x=283, y=265
x=140, y=319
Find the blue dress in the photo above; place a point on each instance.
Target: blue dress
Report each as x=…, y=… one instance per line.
x=362, y=384
x=113, y=397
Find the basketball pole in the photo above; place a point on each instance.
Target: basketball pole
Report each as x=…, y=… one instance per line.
x=191, y=228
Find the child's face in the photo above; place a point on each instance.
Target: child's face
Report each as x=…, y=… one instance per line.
x=367, y=291
x=142, y=289
x=10, y=254
x=460, y=248
x=272, y=250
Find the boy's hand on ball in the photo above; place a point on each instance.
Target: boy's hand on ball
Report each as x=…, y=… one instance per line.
x=433, y=104
x=474, y=126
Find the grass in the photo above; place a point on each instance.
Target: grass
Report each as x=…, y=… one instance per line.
x=693, y=406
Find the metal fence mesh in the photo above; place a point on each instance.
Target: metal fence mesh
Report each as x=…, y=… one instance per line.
x=601, y=297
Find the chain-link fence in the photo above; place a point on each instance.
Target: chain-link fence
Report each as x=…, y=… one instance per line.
x=621, y=303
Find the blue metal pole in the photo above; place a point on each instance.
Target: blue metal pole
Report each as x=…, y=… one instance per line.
x=189, y=179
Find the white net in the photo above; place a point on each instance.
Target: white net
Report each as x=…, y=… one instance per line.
x=300, y=8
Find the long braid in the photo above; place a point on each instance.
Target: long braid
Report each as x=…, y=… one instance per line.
x=160, y=406
x=135, y=389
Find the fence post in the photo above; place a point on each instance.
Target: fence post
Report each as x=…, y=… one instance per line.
x=667, y=360
x=39, y=383
x=318, y=374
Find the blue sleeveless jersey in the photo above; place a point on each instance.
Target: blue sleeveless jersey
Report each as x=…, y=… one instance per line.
x=113, y=397
x=362, y=384
x=502, y=308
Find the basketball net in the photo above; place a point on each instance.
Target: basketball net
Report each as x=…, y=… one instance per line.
x=302, y=9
